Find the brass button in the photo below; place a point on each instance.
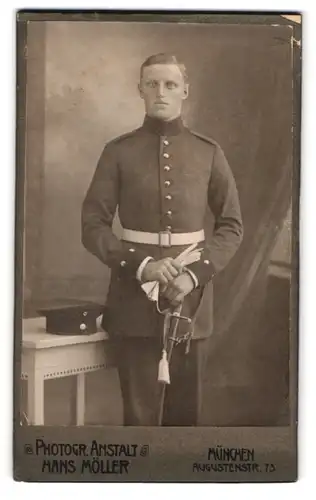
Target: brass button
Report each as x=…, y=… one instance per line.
x=166, y=168
x=168, y=197
x=131, y=250
x=168, y=228
x=85, y=313
x=169, y=213
x=166, y=143
x=166, y=155
x=206, y=262
x=167, y=183
x=123, y=263
x=83, y=327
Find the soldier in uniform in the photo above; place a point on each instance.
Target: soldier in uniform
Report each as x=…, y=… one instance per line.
x=162, y=177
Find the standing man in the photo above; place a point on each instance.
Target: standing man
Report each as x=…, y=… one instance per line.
x=162, y=177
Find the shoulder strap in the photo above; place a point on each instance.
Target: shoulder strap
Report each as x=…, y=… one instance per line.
x=204, y=138
x=123, y=136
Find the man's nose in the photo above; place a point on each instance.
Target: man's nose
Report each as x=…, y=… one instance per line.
x=160, y=89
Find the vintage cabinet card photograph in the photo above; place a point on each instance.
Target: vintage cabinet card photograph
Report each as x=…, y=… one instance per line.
x=156, y=290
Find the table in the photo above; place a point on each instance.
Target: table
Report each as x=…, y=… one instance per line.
x=46, y=356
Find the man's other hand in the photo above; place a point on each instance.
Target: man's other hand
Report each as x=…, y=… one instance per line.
x=177, y=289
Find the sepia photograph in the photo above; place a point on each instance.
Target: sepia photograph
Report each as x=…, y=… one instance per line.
x=158, y=171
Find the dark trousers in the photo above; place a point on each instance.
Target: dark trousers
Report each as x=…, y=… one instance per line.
x=137, y=360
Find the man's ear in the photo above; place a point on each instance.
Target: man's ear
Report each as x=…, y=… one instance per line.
x=186, y=91
x=140, y=91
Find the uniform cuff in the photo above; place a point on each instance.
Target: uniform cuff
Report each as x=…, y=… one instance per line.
x=142, y=267
x=129, y=261
x=204, y=270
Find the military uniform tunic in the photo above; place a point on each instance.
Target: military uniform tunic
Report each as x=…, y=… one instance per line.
x=161, y=177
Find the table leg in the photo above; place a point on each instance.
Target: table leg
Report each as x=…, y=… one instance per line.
x=35, y=398
x=78, y=400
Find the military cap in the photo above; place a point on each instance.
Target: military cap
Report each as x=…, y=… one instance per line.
x=71, y=317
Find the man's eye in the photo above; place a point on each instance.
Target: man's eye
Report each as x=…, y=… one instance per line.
x=151, y=84
x=171, y=85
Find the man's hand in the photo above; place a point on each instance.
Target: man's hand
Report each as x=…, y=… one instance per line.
x=164, y=270
x=177, y=289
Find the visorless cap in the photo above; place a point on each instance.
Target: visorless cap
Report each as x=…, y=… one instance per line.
x=71, y=317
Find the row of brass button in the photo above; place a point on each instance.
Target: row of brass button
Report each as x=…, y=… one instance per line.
x=167, y=182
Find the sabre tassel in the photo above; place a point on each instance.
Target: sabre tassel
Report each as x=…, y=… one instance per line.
x=163, y=369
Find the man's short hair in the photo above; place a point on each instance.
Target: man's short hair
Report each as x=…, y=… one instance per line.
x=164, y=58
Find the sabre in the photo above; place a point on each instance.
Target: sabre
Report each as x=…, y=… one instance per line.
x=187, y=256
x=163, y=371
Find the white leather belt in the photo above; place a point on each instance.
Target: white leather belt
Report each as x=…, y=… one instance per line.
x=164, y=238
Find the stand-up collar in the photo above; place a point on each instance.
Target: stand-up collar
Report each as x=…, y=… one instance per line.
x=163, y=128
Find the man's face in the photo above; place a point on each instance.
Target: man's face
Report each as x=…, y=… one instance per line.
x=163, y=89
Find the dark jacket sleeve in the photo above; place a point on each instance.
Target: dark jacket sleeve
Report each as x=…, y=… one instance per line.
x=97, y=215
x=228, y=229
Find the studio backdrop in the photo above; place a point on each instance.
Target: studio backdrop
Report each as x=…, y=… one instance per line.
x=82, y=92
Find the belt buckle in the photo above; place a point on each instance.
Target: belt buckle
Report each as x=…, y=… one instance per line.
x=162, y=242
